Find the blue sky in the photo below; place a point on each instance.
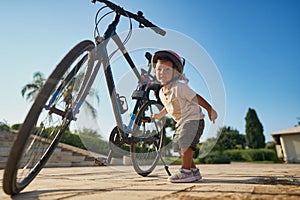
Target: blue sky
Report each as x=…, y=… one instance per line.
x=255, y=45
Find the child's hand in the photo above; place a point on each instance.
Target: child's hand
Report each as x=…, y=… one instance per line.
x=159, y=115
x=213, y=115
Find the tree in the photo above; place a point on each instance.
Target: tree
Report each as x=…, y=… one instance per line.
x=230, y=139
x=31, y=89
x=208, y=145
x=4, y=126
x=254, y=130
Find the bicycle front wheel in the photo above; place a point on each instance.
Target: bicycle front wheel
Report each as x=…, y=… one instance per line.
x=149, y=138
x=46, y=121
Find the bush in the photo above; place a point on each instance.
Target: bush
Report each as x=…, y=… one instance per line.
x=215, y=157
x=86, y=142
x=235, y=155
x=271, y=145
x=94, y=144
x=245, y=155
x=72, y=139
x=15, y=127
x=250, y=155
x=4, y=126
x=175, y=161
x=260, y=155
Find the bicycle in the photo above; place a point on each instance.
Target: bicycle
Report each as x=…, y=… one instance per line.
x=63, y=94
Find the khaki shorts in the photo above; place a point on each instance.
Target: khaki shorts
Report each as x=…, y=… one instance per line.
x=188, y=134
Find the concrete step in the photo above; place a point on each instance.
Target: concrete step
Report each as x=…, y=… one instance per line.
x=63, y=156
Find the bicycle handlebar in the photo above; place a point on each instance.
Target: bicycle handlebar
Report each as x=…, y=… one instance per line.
x=138, y=17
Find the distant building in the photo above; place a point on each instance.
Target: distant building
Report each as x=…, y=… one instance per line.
x=288, y=144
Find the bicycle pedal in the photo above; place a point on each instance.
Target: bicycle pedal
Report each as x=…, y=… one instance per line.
x=100, y=161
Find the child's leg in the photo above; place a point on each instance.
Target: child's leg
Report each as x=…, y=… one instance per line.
x=188, y=163
x=193, y=164
x=185, y=174
x=187, y=158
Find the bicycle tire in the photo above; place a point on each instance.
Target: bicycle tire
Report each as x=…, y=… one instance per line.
x=149, y=140
x=21, y=170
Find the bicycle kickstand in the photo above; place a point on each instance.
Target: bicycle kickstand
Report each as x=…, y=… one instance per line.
x=164, y=163
x=101, y=161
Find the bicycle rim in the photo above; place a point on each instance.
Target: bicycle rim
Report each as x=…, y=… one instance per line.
x=144, y=154
x=44, y=126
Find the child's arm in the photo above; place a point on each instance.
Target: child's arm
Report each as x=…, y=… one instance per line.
x=159, y=115
x=212, y=114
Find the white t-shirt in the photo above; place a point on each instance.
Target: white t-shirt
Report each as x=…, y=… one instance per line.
x=178, y=103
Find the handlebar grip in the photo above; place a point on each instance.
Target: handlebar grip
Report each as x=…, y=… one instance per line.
x=159, y=30
x=149, y=24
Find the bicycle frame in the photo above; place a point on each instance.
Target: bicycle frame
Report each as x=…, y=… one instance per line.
x=100, y=55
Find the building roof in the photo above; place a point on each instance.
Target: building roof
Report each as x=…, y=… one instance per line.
x=276, y=135
x=292, y=130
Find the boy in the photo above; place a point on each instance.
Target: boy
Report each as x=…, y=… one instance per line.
x=183, y=104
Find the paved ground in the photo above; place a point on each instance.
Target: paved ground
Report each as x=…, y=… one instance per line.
x=233, y=181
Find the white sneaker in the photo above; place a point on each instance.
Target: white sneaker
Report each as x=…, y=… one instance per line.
x=183, y=176
x=197, y=174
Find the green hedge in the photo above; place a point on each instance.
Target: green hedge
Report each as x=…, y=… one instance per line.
x=95, y=144
x=215, y=157
x=250, y=155
x=243, y=155
x=72, y=139
x=86, y=142
x=15, y=127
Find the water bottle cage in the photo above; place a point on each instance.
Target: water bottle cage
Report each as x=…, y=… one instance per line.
x=122, y=103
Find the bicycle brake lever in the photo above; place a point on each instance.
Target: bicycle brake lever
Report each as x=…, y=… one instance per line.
x=140, y=14
x=148, y=56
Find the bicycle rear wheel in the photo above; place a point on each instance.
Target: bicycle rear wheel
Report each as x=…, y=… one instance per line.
x=149, y=135
x=46, y=121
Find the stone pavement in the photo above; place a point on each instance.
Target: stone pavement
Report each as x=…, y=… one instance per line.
x=231, y=181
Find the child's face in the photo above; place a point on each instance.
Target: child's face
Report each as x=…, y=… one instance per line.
x=164, y=71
